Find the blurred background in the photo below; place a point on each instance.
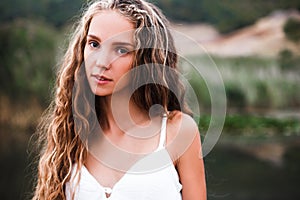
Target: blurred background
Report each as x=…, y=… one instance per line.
x=254, y=43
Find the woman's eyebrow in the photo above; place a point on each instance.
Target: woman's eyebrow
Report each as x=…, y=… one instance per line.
x=94, y=37
x=121, y=43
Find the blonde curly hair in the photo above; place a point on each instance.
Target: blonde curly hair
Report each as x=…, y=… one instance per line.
x=62, y=144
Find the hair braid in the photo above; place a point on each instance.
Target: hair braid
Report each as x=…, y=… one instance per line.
x=154, y=48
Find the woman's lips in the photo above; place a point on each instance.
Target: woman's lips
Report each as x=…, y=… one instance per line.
x=100, y=79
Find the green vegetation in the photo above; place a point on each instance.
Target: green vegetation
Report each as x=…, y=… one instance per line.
x=251, y=83
x=54, y=12
x=292, y=29
x=226, y=15
x=254, y=127
x=27, y=59
x=288, y=61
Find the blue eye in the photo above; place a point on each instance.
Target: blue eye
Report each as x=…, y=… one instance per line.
x=122, y=50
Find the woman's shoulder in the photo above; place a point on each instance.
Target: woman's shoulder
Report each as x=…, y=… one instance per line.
x=181, y=122
x=181, y=132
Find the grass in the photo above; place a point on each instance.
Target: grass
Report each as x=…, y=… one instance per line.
x=254, y=127
x=250, y=82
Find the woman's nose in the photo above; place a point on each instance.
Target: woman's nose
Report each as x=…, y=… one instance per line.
x=103, y=58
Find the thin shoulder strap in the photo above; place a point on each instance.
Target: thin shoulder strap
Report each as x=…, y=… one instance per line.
x=163, y=132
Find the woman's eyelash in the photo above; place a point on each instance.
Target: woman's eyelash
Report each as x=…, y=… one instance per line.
x=119, y=49
x=93, y=44
x=122, y=50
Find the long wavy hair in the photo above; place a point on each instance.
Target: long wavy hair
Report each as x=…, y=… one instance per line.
x=62, y=145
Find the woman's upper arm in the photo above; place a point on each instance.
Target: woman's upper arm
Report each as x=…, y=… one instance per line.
x=190, y=167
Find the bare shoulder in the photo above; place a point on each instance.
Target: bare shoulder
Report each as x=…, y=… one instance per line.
x=179, y=122
x=181, y=132
x=185, y=150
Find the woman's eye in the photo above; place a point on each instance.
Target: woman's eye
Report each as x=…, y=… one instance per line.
x=94, y=44
x=122, y=51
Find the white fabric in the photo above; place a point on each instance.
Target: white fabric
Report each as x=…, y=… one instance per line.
x=161, y=183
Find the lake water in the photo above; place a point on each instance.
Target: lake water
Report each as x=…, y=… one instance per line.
x=233, y=172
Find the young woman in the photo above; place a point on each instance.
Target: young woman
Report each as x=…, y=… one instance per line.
x=118, y=127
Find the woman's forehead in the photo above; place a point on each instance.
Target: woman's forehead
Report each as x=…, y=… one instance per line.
x=110, y=24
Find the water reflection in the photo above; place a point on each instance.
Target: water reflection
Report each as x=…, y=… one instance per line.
x=235, y=170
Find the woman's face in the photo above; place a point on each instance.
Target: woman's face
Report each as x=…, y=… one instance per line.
x=108, y=53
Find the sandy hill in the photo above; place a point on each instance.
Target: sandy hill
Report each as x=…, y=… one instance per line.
x=264, y=38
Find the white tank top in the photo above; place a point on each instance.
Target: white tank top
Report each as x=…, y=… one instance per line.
x=160, y=182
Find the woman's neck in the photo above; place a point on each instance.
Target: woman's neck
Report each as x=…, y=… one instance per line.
x=123, y=113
